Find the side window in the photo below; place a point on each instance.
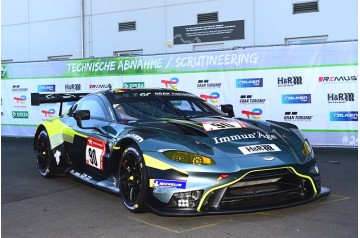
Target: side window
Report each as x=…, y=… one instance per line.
x=95, y=106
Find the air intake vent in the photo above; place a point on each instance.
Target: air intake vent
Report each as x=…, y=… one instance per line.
x=305, y=7
x=207, y=17
x=127, y=26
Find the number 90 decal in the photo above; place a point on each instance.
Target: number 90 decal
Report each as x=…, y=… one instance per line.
x=94, y=153
x=221, y=125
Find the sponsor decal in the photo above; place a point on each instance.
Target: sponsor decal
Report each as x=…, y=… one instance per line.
x=344, y=116
x=236, y=137
x=295, y=98
x=289, y=81
x=80, y=175
x=20, y=101
x=205, y=84
x=57, y=157
x=340, y=97
x=293, y=116
x=17, y=88
x=172, y=83
x=213, y=97
x=248, y=99
x=136, y=137
x=221, y=125
x=3, y=71
x=134, y=85
x=72, y=87
x=48, y=112
x=94, y=153
x=20, y=114
x=100, y=86
x=222, y=176
x=161, y=183
x=249, y=83
x=46, y=88
x=254, y=114
x=338, y=79
x=255, y=149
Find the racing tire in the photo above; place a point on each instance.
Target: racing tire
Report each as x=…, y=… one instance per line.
x=44, y=154
x=133, y=179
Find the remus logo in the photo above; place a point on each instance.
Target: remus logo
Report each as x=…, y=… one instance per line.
x=344, y=116
x=296, y=98
x=338, y=79
x=100, y=86
x=46, y=88
x=249, y=83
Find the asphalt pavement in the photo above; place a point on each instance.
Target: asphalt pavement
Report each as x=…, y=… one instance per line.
x=32, y=206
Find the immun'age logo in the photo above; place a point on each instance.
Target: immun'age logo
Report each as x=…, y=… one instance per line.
x=172, y=83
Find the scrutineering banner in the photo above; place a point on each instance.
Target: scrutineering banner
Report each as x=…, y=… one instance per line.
x=312, y=86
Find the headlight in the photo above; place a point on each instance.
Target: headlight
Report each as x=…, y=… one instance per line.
x=188, y=158
x=306, y=148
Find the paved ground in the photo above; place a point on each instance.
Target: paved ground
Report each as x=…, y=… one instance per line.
x=32, y=206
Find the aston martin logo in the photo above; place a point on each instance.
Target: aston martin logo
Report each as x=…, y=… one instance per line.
x=269, y=158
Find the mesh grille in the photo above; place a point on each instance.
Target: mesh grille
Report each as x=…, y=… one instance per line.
x=305, y=7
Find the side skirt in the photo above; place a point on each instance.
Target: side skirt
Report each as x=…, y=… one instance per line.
x=107, y=185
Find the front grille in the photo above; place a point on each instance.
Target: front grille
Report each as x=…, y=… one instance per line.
x=267, y=188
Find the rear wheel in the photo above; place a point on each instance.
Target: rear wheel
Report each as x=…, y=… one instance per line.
x=44, y=154
x=133, y=180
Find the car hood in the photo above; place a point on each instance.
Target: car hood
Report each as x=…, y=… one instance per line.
x=223, y=138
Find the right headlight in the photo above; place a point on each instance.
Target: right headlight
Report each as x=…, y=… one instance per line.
x=188, y=158
x=306, y=148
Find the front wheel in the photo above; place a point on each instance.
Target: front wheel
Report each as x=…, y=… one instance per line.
x=133, y=179
x=44, y=154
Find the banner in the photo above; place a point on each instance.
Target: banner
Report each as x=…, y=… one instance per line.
x=312, y=86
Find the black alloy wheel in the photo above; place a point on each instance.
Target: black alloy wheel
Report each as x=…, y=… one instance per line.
x=133, y=180
x=44, y=154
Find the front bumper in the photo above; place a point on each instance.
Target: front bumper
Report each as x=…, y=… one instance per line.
x=255, y=190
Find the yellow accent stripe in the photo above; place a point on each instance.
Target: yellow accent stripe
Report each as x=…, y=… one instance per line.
x=257, y=170
x=116, y=147
x=151, y=183
x=157, y=164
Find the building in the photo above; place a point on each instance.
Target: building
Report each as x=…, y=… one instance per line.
x=37, y=30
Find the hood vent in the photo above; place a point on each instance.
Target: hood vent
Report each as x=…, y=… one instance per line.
x=305, y=7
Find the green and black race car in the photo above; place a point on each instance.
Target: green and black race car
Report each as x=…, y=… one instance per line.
x=173, y=153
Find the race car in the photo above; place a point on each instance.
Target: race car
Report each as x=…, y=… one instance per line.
x=174, y=154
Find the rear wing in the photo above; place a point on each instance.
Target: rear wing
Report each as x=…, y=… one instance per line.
x=37, y=98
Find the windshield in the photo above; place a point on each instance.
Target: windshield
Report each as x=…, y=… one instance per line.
x=155, y=105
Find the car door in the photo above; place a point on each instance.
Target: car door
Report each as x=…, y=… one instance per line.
x=89, y=150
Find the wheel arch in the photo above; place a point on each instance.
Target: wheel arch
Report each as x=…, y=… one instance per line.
x=38, y=130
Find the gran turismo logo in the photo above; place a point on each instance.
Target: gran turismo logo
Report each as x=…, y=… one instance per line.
x=338, y=79
x=296, y=98
x=46, y=88
x=289, y=81
x=249, y=83
x=254, y=114
x=213, y=97
x=294, y=116
x=17, y=88
x=341, y=97
x=202, y=84
x=344, y=116
x=171, y=83
x=248, y=99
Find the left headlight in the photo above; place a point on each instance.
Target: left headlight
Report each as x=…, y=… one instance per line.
x=306, y=148
x=188, y=158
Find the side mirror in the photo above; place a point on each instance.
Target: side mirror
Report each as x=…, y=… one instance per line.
x=228, y=109
x=80, y=115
